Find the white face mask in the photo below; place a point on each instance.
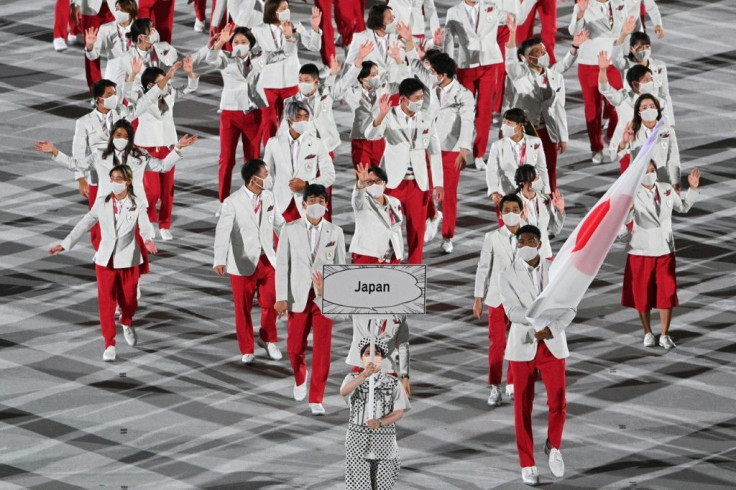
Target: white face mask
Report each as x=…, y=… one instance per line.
x=154, y=37
x=647, y=88
x=119, y=143
x=374, y=82
x=118, y=187
x=265, y=182
x=511, y=219
x=241, y=50
x=538, y=185
x=121, y=17
x=306, y=88
x=375, y=190
x=414, y=105
x=649, y=179
x=527, y=254
x=302, y=127
x=508, y=131
x=643, y=55
x=391, y=28
x=110, y=103
x=543, y=61
x=284, y=15
x=649, y=115
x=316, y=211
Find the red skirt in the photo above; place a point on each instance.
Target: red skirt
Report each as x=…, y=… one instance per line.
x=650, y=282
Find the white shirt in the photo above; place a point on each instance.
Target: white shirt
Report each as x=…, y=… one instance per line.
x=536, y=274
x=473, y=14
x=517, y=146
x=314, y=231
x=382, y=44
x=444, y=92
x=255, y=199
x=278, y=35
x=294, y=149
x=105, y=121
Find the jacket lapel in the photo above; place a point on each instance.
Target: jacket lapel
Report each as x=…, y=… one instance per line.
x=245, y=201
x=324, y=238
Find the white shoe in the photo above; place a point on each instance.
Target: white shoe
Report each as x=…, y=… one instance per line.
x=166, y=234
x=480, y=164
x=666, y=342
x=247, y=358
x=317, y=409
x=530, y=475
x=494, y=399
x=432, y=226
x=649, y=340
x=556, y=464
x=510, y=391
x=109, y=354
x=59, y=44
x=219, y=210
x=597, y=157
x=130, y=336
x=300, y=392
x=272, y=350
x=199, y=25
x=447, y=246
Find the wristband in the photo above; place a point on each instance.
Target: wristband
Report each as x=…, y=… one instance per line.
x=575, y=47
x=380, y=423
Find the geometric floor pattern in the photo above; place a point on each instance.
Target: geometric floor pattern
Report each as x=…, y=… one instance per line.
x=180, y=411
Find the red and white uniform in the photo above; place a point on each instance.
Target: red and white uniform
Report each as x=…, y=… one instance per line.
x=377, y=238
x=92, y=14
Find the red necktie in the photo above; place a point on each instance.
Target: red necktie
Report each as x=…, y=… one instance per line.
x=610, y=14
x=115, y=206
x=257, y=207
x=383, y=327
x=522, y=158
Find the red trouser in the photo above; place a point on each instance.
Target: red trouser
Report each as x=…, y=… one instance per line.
x=296, y=344
x=244, y=287
x=367, y=151
x=349, y=20
x=271, y=115
x=92, y=68
x=116, y=287
x=94, y=233
x=548, y=18
x=449, y=203
x=481, y=82
x=367, y=259
x=200, y=9
x=498, y=325
x=553, y=376
x=159, y=185
x=235, y=125
x=594, y=103
x=414, y=202
x=550, y=154
x=161, y=12
x=63, y=22
x=502, y=36
x=291, y=213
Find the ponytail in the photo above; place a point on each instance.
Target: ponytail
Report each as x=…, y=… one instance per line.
x=519, y=117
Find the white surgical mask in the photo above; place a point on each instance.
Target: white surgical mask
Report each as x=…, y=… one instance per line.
x=306, y=88
x=649, y=179
x=511, y=219
x=391, y=28
x=110, y=103
x=265, y=182
x=154, y=37
x=375, y=190
x=543, y=61
x=374, y=82
x=527, y=253
x=284, y=15
x=118, y=187
x=538, y=185
x=414, y=105
x=316, y=211
x=119, y=143
x=121, y=17
x=643, y=55
x=507, y=131
x=302, y=127
x=241, y=50
x=647, y=88
x=649, y=115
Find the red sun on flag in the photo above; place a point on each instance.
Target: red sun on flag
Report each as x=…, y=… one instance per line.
x=591, y=224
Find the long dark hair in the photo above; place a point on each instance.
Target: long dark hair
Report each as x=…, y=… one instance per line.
x=636, y=122
x=269, y=11
x=127, y=175
x=525, y=173
x=519, y=117
x=139, y=27
x=130, y=149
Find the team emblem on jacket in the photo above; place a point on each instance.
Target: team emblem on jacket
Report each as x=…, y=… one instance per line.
x=311, y=155
x=536, y=146
x=269, y=208
x=330, y=244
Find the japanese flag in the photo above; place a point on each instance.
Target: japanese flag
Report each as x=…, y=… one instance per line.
x=581, y=256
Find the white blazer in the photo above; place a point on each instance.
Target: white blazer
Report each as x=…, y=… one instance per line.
x=502, y=164
x=282, y=70
x=652, y=233
x=118, y=235
x=324, y=119
x=633, y=7
x=541, y=213
x=241, y=78
x=375, y=233
x=499, y=248
x=92, y=7
x=380, y=58
x=416, y=13
x=112, y=43
x=312, y=156
x=602, y=33
x=517, y=295
x=477, y=45
x=156, y=125
x=659, y=77
x=244, y=13
x=666, y=155
x=294, y=262
x=242, y=236
x=404, y=148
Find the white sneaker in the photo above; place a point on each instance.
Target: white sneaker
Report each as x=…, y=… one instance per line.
x=447, y=245
x=247, y=358
x=272, y=350
x=556, y=464
x=130, y=336
x=219, y=210
x=494, y=399
x=510, y=391
x=597, y=157
x=166, y=234
x=59, y=44
x=480, y=164
x=300, y=392
x=666, y=342
x=432, y=226
x=109, y=354
x=317, y=409
x=530, y=475
x=198, y=25
x=71, y=39
x=649, y=340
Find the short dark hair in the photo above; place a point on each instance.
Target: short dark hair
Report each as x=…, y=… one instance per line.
x=378, y=172
x=431, y=52
x=244, y=31
x=408, y=86
x=250, y=168
x=365, y=70
x=530, y=229
x=638, y=38
x=636, y=73
x=375, y=16
x=98, y=89
x=150, y=75
x=529, y=44
x=269, y=11
x=139, y=27
x=511, y=198
x=443, y=64
x=315, y=190
x=310, y=69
